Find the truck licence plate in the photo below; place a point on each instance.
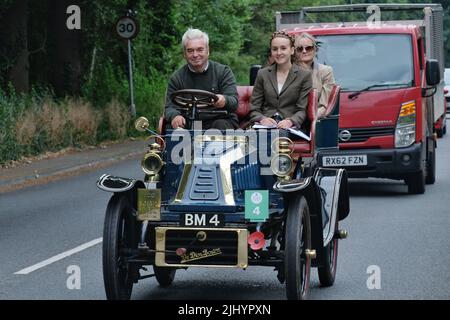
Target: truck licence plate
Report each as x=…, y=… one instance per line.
x=342, y=161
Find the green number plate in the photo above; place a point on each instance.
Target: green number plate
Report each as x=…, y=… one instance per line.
x=256, y=205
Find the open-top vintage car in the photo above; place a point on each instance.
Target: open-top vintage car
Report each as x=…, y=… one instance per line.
x=230, y=199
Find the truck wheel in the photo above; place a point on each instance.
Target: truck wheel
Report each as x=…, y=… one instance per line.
x=164, y=275
x=327, y=271
x=416, y=183
x=431, y=166
x=119, y=235
x=297, y=264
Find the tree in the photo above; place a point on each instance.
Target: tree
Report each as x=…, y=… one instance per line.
x=14, y=49
x=65, y=49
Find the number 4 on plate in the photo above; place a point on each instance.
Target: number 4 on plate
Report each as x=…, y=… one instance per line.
x=256, y=205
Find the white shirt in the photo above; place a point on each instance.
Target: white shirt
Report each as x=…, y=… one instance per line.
x=204, y=70
x=280, y=86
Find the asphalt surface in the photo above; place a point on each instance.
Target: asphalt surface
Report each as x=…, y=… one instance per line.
x=403, y=237
x=70, y=163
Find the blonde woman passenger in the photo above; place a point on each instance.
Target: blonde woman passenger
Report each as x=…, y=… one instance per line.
x=306, y=47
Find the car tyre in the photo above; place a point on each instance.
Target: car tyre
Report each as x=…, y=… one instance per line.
x=416, y=182
x=164, y=276
x=431, y=165
x=119, y=235
x=297, y=264
x=327, y=268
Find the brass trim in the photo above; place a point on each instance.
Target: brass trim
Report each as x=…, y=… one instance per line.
x=149, y=204
x=342, y=234
x=202, y=138
x=201, y=236
x=155, y=147
x=310, y=253
x=276, y=171
x=141, y=124
x=152, y=178
x=242, y=261
x=155, y=155
x=282, y=145
x=225, y=161
x=183, y=182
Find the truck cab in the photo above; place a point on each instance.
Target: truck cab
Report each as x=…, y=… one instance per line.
x=389, y=100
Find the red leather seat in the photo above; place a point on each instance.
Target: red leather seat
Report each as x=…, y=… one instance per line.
x=333, y=99
x=162, y=125
x=244, y=96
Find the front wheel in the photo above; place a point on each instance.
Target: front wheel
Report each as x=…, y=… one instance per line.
x=327, y=269
x=431, y=165
x=119, y=236
x=297, y=264
x=416, y=182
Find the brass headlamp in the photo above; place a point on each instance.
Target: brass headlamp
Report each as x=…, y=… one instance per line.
x=152, y=162
x=282, y=163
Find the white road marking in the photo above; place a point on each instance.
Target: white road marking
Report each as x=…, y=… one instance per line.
x=60, y=256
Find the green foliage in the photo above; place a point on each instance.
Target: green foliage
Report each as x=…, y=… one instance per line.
x=225, y=23
x=239, y=37
x=107, y=81
x=150, y=96
x=9, y=149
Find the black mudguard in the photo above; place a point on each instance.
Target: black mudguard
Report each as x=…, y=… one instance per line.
x=335, y=183
x=327, y=195
x=118, y=185
x=115, y=184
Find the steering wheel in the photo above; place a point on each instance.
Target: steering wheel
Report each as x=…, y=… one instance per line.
x=190, y=98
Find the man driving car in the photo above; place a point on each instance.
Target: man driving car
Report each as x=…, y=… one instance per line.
x=203, y=74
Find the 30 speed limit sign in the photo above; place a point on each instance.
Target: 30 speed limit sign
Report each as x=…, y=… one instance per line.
x=127, y=28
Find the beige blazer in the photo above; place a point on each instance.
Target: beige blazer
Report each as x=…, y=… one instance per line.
x=290, y=103
x=323, y=82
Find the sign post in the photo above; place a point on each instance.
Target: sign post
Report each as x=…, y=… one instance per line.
x=127, y=29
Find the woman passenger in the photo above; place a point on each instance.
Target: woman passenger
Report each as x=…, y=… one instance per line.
x=306, y=48
x=280, y=92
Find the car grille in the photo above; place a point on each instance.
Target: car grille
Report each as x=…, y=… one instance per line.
x=246, y=177
x=363, y=134
x=226, y=241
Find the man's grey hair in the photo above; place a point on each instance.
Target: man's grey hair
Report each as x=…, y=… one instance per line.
x=192, y=34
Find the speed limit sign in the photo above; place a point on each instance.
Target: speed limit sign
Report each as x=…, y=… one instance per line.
x=127, y=28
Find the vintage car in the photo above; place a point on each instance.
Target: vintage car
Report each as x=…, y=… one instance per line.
x=227, y=200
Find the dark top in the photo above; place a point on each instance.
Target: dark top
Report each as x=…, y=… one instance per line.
x=218, y=79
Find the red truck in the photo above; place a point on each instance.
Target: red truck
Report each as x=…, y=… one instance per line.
x=391, y=78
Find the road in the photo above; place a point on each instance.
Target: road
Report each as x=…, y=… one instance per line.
x=399, y=238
